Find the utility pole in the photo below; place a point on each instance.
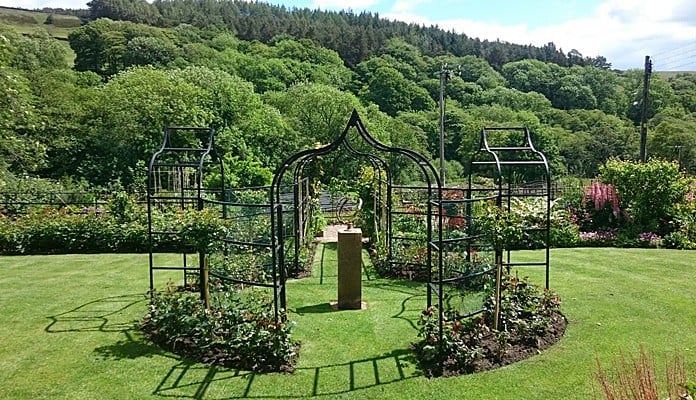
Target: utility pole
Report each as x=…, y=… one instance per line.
x=445, y=75
x=679, y=155
x=644, y=110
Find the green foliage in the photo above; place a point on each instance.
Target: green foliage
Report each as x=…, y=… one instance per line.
x=683, y=228
x=22, y=192
x=130, y=10
x=679, y=240
x=239, y=174
x=587, y=138
x=460, y=343
x=673, y=137
x=564, y=233
x=648, y=191
x=532, y=214
x=149, y=50
x=39, y=51
x=317, y=112
x=661, y=95
x=18, y=149
x=107, y=47
x=134, y=106
x=87, y=230
x=49, y=128
x=201, y=230
x=239, y=331
x=393, y=92
x=500, y=227
x=122, y=208
x=318, y=219
x=63, y=99
x=524, y=307
x=365, y=188
x=318, y=64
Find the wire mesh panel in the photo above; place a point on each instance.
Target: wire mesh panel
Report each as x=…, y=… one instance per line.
x=468, y=258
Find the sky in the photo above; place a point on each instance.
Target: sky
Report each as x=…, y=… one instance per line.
x=623, y=31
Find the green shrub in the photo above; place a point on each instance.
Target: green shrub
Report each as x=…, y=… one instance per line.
x=683, y=235
x=49, y=231
x=678, y=240
x=524, y=308
x=648, y=191
x=63, y=21
x=238, y=332
x=532, y=212
x=564, y=234
x=502, y=229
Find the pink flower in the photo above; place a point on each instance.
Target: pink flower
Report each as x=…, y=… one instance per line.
x=601, y=194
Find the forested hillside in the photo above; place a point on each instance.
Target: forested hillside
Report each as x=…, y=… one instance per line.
x=272, y=92
x=356, y=37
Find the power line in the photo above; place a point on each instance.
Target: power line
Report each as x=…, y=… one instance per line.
x=675, y=65
x=676, y=58
x=673, y=57
x=676, y=50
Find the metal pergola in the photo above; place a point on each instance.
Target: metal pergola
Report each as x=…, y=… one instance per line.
x=446, y=245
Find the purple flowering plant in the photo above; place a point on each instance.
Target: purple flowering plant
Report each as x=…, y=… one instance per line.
x=649, y=239
x=598, y=238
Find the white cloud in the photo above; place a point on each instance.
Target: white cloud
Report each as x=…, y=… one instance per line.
x=341, y=4
x=406, y=6
x=623, y=31
x=38, y=4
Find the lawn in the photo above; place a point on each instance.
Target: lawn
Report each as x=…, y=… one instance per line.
x=67, y=328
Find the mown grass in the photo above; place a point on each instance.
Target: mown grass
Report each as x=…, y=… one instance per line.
x=68, y=331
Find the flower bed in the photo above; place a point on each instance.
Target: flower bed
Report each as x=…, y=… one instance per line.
x=530, y=321
x=238, y=332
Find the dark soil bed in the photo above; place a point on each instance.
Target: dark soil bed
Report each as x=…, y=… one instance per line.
x=519, y=349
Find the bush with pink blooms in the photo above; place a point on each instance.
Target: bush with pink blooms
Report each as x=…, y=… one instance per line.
x=636, y=205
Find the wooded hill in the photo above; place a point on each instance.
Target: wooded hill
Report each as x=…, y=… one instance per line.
x=355, y=36
x=98, y=120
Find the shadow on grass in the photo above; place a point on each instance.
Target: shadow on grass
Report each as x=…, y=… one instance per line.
x=314, y=309
x=191, y=380
x=131, y=348
x=101, y=315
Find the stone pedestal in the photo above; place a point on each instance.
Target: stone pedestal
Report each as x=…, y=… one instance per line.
x=349, y=269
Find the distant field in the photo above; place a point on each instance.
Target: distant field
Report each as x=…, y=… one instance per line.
x=27, y=22
x=13, y=16
x=672, y=74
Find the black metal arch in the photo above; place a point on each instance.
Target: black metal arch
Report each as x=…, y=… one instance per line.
x=301, y=159
x=502, y=162
x=178, y=156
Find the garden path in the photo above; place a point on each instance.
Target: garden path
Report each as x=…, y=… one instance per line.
x=331, y=233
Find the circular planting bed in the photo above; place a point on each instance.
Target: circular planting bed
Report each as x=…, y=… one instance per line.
x=238, y=331
x=530, y=321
